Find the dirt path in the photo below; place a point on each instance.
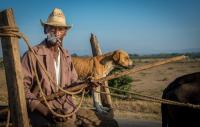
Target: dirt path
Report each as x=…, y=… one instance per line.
x=138, y=123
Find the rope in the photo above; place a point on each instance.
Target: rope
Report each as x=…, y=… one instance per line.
x=8, y=31
x=49, y=107
x=150, y=98
x=135, y=70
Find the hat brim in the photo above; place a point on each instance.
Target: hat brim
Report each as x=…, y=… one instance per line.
x=54, y=24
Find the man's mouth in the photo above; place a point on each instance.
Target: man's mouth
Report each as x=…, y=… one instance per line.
x=53, y=39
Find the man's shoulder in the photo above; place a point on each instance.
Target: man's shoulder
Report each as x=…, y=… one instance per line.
x=39, y=49
x=66, y=53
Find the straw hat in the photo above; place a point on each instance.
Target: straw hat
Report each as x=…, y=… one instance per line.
x=56, y=18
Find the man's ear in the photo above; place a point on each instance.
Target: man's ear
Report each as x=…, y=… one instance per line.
x=116, y=56
x=65, y=32
x=45, y=29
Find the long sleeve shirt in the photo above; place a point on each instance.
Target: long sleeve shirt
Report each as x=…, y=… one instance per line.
x=68, y=75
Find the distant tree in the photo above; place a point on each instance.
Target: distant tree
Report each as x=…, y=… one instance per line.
x=74, y=55
x=134, y=56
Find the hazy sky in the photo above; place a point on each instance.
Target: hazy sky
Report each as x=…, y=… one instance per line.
x=137, y=26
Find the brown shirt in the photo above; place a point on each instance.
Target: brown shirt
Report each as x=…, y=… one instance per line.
x=68, y=75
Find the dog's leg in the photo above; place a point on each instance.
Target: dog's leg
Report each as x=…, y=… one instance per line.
x=96, y=97
x=97, y=101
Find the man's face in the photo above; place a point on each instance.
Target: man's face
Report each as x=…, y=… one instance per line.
x=58, y=32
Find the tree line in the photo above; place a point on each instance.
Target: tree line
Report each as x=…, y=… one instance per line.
x=165, y=55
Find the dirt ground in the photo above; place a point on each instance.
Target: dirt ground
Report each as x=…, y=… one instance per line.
x=149, y=82
x=153, y=81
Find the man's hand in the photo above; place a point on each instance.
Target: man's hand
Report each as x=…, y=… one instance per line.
x=47, y=113
x=91, y=83
x=58, y=119
x=42, y=109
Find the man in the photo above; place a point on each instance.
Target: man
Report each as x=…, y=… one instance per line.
x=57, y=63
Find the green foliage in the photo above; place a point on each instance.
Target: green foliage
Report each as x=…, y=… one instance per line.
x=74, y=55
x=122, y=83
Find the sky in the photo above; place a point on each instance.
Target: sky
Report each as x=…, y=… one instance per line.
x=136, y=26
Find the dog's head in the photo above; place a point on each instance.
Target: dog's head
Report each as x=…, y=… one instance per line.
x=121, y=58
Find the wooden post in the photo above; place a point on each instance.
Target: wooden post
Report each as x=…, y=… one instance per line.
x=96, y=50
x=13, y=70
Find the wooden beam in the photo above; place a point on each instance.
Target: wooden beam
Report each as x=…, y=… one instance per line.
x=96, y=50
x=13, y=70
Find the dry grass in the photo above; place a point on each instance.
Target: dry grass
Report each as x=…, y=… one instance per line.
x=135, y=109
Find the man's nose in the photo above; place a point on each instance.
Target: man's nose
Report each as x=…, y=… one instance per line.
x=56, y=32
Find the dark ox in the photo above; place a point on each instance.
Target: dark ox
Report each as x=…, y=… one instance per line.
x=183, y=89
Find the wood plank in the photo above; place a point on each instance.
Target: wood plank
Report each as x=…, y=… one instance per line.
x=13, y=71
x=96, y=50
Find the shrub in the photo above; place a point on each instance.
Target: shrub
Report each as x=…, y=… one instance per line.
x=122, y=83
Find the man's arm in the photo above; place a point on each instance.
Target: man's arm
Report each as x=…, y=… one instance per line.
x=28, y=80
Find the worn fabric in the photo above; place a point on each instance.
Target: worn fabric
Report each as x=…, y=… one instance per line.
x=68, y=75
x=38, y=120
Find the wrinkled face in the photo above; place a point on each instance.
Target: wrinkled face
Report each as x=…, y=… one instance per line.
x=55, y=34
x=122, y=58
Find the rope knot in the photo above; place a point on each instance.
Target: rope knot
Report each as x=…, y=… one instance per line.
x=8, y=31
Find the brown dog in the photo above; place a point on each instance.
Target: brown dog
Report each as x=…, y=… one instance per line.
x=100, y=66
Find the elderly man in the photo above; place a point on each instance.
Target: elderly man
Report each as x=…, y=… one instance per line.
x=54, y=60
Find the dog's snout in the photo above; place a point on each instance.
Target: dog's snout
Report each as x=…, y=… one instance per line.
x=130, y=62
x=131, y=66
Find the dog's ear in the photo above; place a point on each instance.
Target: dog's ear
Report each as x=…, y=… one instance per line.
x=116, y=55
